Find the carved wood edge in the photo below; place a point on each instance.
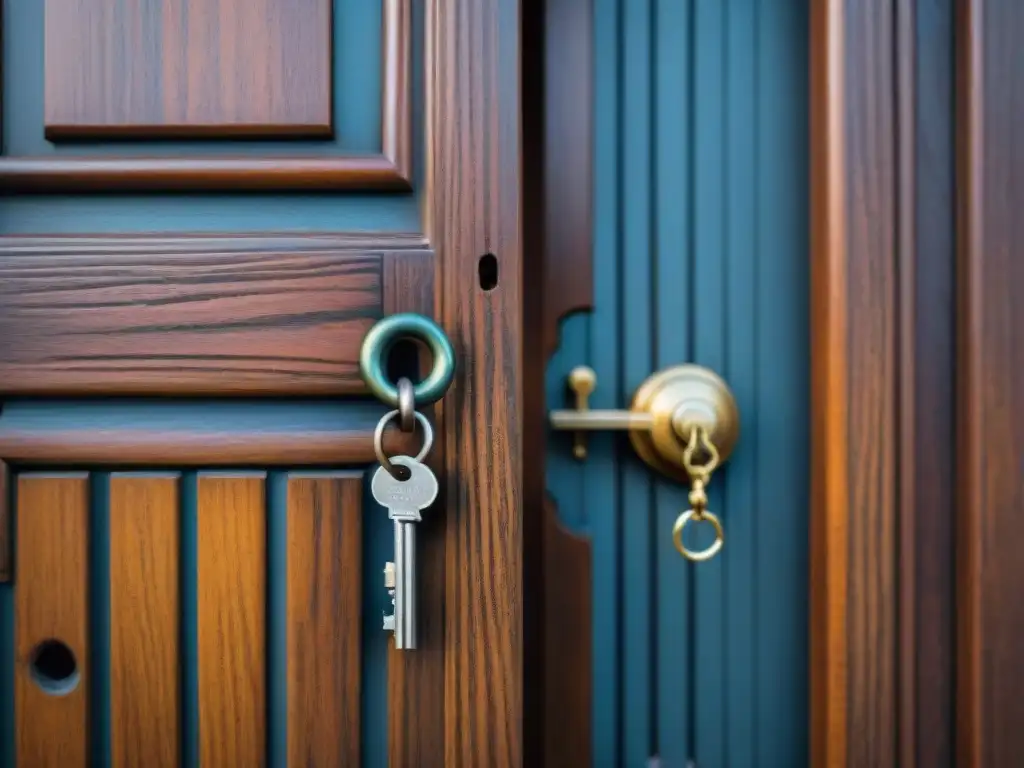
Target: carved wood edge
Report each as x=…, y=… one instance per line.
x=390, y=170
x=174, y=448
x=559, y=221
x=567, y=168
x=989, y=358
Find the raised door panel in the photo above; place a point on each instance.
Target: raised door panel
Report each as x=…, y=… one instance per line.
x=187, y=68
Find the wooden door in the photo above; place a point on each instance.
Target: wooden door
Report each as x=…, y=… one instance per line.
x=207, y=204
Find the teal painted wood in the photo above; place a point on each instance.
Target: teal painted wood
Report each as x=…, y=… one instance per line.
x=99, y=620
x=357, y=119
x=7, y=648
x=277, y=610
x=701, y=255
x=189, y=545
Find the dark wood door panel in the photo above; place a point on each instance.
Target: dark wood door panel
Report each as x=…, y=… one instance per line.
x=187, y=68
x=180, y=70
x=198, y=316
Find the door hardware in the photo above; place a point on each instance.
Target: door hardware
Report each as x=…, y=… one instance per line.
x=683, y=422
x=404, y=485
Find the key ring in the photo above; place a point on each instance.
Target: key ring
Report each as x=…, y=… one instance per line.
x=396, y=471
x=406, y=405
x=704, y=554
x=378, y=342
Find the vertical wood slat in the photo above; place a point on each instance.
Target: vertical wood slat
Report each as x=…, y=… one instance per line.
x=990, y=391
x=324, y=578
x=854, y=379
x=144, y=627
x=231, y=618
x=473, y=207
x=51, y=603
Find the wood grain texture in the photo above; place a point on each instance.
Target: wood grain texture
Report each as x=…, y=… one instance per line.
x=568, y=162
x=145, y=696
x=416, y=734
x=990, y=570
x=568, y=645
x=6, y=548
x=231, y=564
x=216, y=316
x=193, y=441
x=389, y=170
x=926, y=377
x=558, y=126
x=51, y=603
x=473, y=208
x=854, y=319
x=187, y=69
x=325, y=581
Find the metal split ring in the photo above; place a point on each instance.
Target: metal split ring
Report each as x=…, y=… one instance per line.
x=406, y=405
x=378, y=342
x=396, y=471
x=704, y=554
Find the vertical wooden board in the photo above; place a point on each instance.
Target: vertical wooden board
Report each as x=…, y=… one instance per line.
x=990, y=385
x=231, y=565
x=51, y=605
x=324, y=618
x=474, y=209
x=144, y=627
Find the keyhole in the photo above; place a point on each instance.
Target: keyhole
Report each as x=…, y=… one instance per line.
x=488, y=271
x=53, y=668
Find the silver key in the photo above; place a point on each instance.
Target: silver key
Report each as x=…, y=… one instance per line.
x=404, y=500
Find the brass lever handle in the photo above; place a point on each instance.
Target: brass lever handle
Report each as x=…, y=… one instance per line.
x=665, y=411
x=683, y=421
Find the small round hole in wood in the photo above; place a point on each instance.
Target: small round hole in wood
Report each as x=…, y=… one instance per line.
x=53, y=668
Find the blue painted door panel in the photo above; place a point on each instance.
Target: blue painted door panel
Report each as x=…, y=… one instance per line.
x=701, y=255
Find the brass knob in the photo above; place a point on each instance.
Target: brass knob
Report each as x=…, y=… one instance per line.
x=666, y=410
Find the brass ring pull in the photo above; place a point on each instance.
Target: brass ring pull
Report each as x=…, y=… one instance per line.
x=705, y=517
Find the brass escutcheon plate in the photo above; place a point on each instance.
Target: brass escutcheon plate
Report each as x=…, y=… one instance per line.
x=676, y=400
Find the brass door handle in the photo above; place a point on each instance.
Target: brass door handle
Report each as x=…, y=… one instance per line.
x=665, y=410
x=683, y=421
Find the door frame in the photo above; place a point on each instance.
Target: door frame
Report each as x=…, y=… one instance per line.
x=883, y=274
